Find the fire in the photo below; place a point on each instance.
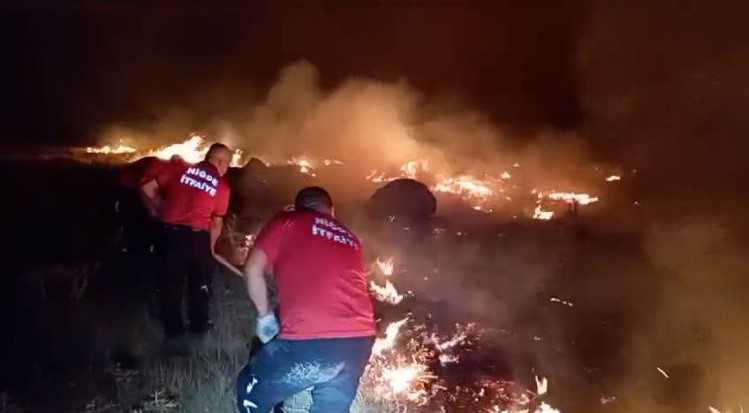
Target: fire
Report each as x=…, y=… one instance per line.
x=386, y=294
x=391, y=333
x=572, y=198
x=542, y=385
x=386, y=267
x=110, y=150
x=411, y=168
x=237, y=158
x=192, y=150
x=481, y=193
x=304, y=164
x=401, y=378
x=399, y=372
x=465, y=185
x=540, y=213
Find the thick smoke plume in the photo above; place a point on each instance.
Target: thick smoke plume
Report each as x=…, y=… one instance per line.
x=370, y=124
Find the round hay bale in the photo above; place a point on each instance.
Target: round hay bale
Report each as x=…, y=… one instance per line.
x=403, y=198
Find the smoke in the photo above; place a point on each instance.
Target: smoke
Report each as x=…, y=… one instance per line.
x=664, y=92
x=686, y=320
x=374, y=125
x=665, y=89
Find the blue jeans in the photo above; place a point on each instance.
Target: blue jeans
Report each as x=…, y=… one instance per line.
x=282, y=368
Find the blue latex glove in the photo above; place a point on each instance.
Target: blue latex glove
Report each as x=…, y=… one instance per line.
x=266, y=327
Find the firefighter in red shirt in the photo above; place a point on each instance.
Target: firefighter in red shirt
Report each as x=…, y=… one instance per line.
x=326, y=315
x=191, y=201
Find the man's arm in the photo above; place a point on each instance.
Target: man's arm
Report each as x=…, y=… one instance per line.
x=150, y=195
x=257, y=288
x=217, y=224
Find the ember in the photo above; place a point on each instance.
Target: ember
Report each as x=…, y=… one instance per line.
x=613, y=178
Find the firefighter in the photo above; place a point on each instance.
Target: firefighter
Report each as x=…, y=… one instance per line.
x=191, y=201
x=326, y=314
x=137, y=223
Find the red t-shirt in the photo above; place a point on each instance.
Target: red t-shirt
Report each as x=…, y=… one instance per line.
x=320, y=275
x=145, y=169
x=192, y=194
x=133, y=174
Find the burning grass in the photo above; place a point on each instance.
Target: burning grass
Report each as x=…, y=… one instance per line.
x=484, y=192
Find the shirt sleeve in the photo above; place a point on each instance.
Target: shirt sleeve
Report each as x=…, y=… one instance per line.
x=222, y=200
x=165, y=174
x=271, y=237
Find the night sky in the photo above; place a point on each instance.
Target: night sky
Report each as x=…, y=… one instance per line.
x=72, y=69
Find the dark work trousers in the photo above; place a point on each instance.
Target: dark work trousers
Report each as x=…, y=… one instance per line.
x=143, y=248
x=282, y=368
x=187, y=258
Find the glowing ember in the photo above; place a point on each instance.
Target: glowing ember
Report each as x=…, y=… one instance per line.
x=387, y=294
x=386, y=267
x=110, y=150
x=613, y=178
x=560, y=301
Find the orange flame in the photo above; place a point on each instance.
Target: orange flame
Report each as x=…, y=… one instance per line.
x=110, y=150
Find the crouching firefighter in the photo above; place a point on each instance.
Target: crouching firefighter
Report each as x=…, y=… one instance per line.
x=326, y=316
x=191, y=201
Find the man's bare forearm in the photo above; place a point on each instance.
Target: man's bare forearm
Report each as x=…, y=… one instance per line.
x=217, y=224
x=257, y=288
x=151, y=199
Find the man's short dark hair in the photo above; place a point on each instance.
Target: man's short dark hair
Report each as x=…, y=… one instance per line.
x=215, y=148
x=314, y=198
